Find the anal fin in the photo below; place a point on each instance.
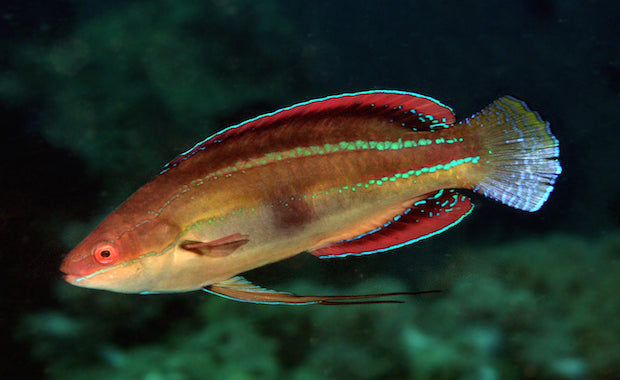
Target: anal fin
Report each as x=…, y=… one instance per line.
x=435, y=213
x=239, y=289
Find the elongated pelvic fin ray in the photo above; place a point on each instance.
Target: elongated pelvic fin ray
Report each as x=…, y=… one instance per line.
x=239, y=289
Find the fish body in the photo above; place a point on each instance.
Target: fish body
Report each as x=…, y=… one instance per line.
x=348, y=174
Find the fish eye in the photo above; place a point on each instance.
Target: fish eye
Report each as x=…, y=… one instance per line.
x=106, y=254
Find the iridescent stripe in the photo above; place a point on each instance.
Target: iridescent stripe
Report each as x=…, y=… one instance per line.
x=299, y=152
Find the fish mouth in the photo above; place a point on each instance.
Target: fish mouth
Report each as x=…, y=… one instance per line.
x=71, y=278
x=67, y=275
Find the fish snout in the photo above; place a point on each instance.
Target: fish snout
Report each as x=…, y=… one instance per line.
x=65, y=268
x=75, y=266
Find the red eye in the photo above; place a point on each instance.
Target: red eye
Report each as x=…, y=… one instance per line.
x=106, y=254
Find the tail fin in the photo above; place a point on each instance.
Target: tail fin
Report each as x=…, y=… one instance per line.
x=522, y=153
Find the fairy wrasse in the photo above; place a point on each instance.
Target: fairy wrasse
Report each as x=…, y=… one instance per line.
x=344, y=175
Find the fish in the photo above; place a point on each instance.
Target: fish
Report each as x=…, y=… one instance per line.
x=350, y=174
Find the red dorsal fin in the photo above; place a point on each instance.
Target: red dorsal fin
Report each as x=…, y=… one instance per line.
x=427, y=217
x=408, y=110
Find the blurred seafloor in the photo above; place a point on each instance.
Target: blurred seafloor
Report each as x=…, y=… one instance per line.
x=96, y=97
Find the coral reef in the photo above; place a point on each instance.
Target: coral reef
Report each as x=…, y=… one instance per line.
x=542, y=308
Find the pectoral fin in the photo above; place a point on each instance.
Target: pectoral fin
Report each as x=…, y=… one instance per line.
x=240, y=289
x=216, y=248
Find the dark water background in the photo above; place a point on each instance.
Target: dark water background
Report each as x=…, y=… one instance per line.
x=95, y=97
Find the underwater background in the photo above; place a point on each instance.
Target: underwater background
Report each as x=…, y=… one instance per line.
x=96, y=97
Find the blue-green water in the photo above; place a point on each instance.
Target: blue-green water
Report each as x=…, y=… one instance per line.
x=97, y=97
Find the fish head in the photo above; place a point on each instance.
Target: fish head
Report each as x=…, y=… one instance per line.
x=122, y=256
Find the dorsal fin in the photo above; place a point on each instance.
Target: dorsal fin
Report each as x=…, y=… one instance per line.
x=408, y=110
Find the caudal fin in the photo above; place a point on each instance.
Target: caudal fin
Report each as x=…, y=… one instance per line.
x=522, y=154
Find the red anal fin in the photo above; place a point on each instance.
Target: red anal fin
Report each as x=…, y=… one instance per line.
x=239, y=289
x=430, y=216
x=216, y=248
